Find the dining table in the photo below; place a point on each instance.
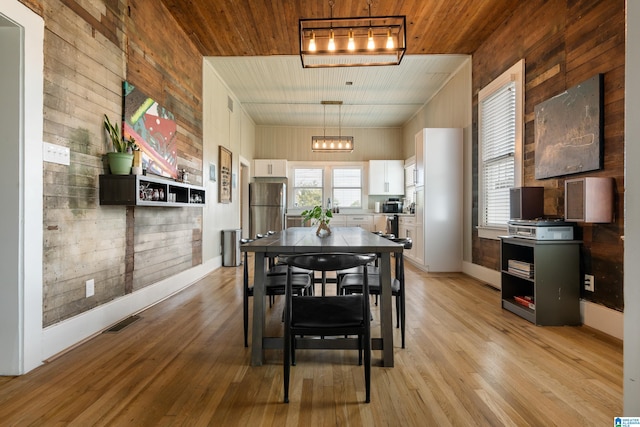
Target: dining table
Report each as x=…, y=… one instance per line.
x=297, y=240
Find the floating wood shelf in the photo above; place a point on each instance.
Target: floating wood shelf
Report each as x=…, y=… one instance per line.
x=138, y=190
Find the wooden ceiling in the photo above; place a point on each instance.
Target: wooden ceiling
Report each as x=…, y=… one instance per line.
x=270, y=27
x=253, y=46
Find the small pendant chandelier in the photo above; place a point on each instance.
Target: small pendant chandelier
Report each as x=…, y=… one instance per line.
x=332, y=144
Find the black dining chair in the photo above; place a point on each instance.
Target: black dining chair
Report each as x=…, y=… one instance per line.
x=274, y=285
x=352, y=283
x=327, y=316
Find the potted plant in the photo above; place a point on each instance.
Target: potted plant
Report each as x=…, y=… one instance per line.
x=121, y=158
x=320, y=216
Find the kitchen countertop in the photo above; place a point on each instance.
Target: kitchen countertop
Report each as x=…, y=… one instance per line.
x=292, y=214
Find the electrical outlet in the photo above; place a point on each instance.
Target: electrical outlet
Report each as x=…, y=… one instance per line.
x=589, y=283
x=90, y=288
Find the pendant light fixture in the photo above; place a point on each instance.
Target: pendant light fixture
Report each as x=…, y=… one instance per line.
x=332, y=144
x=352, y=42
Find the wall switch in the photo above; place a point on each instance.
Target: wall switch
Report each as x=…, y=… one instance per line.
x=56, y=154
x=90, y=288
x=589, y=283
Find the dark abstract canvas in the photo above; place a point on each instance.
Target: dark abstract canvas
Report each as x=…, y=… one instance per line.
x=568, y=131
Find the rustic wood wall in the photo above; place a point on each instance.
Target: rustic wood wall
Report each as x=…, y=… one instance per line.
x=565, y=42
x=90, y=48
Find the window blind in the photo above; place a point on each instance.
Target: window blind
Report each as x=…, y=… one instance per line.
x=498, y=136
x=347, y=187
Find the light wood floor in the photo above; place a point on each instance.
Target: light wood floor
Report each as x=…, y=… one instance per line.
x=467, y=363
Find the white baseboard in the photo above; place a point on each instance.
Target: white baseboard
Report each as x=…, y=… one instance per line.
x=596, y=316
x=68, y=333
x=484, y=274
x=602, y=318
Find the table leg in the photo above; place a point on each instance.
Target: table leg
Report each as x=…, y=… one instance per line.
x=257, y=331
x=386, y=310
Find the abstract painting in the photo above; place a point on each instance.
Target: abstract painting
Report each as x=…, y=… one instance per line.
x=568, y=131
x=154, y=129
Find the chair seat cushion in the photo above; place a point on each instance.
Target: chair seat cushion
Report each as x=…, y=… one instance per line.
x=327, y=312
x=351, y=283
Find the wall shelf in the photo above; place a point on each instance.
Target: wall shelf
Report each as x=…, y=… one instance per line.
x=143, y=190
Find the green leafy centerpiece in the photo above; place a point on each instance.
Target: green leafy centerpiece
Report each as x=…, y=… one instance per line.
x=320, y=216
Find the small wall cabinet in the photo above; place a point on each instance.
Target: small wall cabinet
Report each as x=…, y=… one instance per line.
x=142, y=190
x=386, y=177
x=541, y=280
x=270, y=168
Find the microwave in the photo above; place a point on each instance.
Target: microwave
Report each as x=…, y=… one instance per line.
x=392, y=207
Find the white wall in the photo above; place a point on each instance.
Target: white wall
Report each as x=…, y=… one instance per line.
x=632, y=215
x=235, y=131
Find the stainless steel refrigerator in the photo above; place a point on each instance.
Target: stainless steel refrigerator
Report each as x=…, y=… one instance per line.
x=267, y=207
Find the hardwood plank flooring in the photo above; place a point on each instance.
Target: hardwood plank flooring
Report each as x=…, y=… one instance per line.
x=467, y=363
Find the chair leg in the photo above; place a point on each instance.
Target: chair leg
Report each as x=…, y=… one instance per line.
x=397, y=311
x=367, y=368
x=293, y=350
x=245, y=309
x=402, y=315
x=360, y=340
x=287, y=372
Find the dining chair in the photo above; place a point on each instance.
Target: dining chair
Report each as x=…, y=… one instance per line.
x=274, y=285
x=327, y=316
x=352, y=283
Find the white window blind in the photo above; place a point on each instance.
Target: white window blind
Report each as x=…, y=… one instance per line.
x=498, y=146
x=347, y=187
x=307, y=187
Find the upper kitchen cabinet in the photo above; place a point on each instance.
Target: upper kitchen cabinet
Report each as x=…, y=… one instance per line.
x=386, y=177
x=270, y=168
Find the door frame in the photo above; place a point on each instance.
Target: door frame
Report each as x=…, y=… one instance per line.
x=25, y=330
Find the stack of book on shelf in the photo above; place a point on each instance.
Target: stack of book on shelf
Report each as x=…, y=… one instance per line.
x=525, y=300
x=520, y=268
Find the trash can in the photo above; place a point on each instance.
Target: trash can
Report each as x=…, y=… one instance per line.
x=231, y=248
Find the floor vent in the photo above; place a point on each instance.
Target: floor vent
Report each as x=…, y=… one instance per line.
x=123, y=324
x=493, y=288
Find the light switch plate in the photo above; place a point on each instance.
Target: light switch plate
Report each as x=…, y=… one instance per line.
x=56, y=154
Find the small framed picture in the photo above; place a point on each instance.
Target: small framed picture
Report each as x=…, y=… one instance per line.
x=224, y=180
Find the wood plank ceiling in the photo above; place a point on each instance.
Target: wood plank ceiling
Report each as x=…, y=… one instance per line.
x=232, y=30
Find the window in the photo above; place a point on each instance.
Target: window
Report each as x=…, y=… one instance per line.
x=500, y=106
x=347, y=187
x=307, y=187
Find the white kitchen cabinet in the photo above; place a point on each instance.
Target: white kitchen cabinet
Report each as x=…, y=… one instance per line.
x=363, y=221
x=386, y=177
x=270, y=168
x=341, y=220
x=407, y=228
x=439, y=198
x=338, y=221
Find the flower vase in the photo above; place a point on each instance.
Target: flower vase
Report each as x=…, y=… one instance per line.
x=323, y=229
x=120, y=163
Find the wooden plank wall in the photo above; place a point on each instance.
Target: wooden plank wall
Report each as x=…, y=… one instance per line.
x=90, y=48
x=564, y=43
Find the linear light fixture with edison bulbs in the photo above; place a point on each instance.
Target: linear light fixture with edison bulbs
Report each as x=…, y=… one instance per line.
x=352, y=42
x=332, y=144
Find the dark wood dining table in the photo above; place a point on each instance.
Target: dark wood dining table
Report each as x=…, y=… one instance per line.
x=304, y=240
